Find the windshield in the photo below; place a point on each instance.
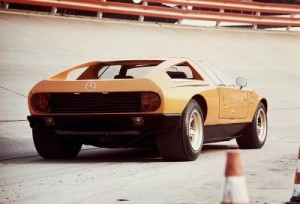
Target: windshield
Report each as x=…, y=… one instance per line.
x=217, y=76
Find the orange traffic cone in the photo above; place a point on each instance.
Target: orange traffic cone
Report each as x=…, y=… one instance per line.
x=234, y=189
x=296, y=194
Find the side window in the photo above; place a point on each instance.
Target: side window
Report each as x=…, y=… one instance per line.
x=183, y=71
x=73, y=75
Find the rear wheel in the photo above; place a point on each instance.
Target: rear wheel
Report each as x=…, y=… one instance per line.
x=184, y=143
x=51, y=146
x=255, y=134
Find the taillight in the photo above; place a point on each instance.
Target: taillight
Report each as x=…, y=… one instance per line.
x=40, y=102
x=150, y=101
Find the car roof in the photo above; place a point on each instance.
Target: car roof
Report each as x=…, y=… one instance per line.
x=145, y=59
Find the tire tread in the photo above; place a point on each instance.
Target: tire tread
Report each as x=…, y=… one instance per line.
x=172, y=146
x=51, y=146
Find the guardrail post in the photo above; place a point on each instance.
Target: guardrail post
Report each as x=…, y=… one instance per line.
x=100, y=14
x=141, y=18
x=54, y=10
x=189, y=8
x=5, y=5
x=254, y=26
x=219, y=22
x=183, y=8
x=289, y=27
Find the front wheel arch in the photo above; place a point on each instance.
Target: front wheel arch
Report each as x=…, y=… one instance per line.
x=265, y=103
x=255, y=134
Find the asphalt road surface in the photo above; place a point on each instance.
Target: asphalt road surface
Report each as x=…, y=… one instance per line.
x=33, y=47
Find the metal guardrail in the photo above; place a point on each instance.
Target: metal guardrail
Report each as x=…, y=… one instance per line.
x=252, y=13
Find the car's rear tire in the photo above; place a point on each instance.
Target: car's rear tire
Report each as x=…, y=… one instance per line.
x=255, y=134
x=51, y=146
x=184, y=142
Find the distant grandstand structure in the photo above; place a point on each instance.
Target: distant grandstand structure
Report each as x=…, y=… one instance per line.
x=255, y=14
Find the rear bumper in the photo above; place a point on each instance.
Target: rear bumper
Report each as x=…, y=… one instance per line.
x=104, y=124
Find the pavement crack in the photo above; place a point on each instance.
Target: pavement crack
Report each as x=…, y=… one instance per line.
x=276, y=109
x=11, y=121
x=7, y=89
x=20, y=157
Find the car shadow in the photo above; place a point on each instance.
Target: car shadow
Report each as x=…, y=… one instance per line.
x=135, y=155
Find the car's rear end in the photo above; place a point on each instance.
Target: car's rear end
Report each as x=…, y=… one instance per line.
x=113, y=111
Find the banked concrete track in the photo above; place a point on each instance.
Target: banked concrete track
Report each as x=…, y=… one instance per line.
x=32, y=47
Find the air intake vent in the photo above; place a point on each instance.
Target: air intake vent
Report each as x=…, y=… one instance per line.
x=115, y=102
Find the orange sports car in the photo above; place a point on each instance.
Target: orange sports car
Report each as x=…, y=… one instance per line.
x=177, y=104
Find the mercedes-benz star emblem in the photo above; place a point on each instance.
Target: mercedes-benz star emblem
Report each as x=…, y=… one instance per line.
x=90, y=86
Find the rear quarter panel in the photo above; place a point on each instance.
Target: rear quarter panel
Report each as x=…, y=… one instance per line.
x=176, y=98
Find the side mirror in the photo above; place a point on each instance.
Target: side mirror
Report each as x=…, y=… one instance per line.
x=241, y=82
